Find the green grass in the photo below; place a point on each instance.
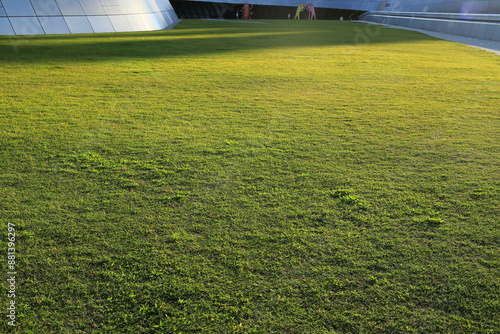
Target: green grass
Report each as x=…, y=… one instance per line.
x=289, y=177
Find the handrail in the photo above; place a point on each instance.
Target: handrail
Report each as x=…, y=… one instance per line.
x=445, y=16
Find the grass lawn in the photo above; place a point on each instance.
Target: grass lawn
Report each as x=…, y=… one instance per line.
x=286, y=177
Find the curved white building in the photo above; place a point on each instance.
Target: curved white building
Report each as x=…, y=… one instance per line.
x=34, y=17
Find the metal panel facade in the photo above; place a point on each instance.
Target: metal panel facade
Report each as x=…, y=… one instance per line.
x=54, y=25
x=79, y=24
x=46, y=7
x=18, y=8
x=26, y=17
x=26, y=25
x=70, y=7
x=6, y=26
x=101, y=24
x=92, y=8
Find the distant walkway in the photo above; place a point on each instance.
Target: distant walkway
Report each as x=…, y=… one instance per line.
x=491, y=46
x=232, y=20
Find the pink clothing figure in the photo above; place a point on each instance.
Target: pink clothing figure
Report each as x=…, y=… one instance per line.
x=246, y=10
x=312, y=12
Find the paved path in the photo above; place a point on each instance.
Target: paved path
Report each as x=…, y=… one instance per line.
x=488, y=45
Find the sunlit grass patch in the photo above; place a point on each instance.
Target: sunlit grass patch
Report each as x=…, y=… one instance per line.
x=290, y=177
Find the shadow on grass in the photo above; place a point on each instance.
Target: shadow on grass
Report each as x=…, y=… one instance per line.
x=195, y=37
